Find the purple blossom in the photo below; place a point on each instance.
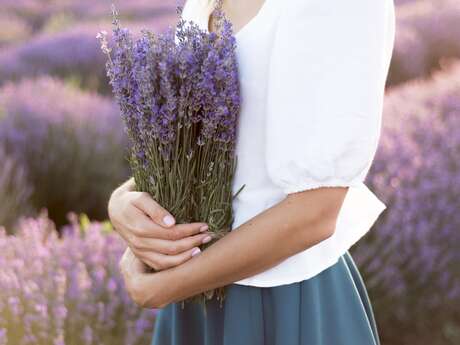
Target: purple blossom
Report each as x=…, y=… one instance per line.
x=52, y=293
x=183, y=76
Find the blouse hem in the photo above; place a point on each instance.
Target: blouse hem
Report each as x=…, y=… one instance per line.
x=359, y=212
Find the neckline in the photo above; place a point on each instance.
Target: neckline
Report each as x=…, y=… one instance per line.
x=245, y=26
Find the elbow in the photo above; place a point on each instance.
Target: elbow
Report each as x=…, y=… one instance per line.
x=316, y=230
x=327, y=220
x=328, y=225
x=320, y=214
x=324, y=225
x=320, y=225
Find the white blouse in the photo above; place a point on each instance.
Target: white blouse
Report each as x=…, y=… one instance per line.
x=312, y=76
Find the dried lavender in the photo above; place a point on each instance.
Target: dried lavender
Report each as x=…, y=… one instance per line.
x=179, y=97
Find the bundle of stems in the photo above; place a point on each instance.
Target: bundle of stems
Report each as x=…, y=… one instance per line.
x=179, y=97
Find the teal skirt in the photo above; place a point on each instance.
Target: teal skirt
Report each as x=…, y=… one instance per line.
x=331, y=308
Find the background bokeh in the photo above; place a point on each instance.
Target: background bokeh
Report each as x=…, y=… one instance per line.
x=62, y=150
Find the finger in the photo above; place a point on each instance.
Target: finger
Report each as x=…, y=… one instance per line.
x=143, y=226
x=143, y=256
x=185, y=230
x=160, y=261
x=156, y=212
x=168, y=247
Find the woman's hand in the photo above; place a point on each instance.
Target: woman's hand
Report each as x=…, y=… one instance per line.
x=150, y=231
x=139, y=285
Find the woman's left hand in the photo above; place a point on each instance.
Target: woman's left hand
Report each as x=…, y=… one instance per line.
x=148, y=290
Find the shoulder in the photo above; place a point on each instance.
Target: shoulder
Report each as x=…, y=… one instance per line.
x=334, y=24
x=294, y=12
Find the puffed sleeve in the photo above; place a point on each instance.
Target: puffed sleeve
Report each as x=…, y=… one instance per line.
x=325, y=91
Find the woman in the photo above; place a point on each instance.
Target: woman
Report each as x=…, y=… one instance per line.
x=312, y=76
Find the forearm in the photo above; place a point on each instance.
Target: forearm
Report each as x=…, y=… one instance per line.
x=293, y=225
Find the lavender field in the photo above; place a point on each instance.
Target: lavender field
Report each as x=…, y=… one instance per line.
x=62, y=152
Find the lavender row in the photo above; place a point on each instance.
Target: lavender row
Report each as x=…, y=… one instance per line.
x=426, y=34
x=411, y=260
x=66, y=290
x=37, y=14
x=72, y=52
x=70, y=144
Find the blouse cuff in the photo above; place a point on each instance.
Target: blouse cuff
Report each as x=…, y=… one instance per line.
x=302, y=186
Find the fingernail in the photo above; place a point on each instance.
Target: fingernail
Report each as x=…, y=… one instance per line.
x=206, y=239
x=204, y=228
x=168, y=220
x=196, y=251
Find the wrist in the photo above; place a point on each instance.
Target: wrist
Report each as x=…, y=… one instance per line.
x=183, y=280
x=159, y=298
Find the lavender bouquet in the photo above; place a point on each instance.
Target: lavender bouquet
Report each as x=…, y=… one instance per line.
x=179, y=97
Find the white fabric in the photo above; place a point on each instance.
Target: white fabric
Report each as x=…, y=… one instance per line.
x=312, y=75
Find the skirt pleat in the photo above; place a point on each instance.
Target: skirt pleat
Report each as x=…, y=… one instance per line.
x=331, y=308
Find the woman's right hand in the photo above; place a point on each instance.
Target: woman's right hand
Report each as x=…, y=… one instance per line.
x=150, y=231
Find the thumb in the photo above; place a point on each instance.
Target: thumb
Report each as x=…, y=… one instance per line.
x=155, y=211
